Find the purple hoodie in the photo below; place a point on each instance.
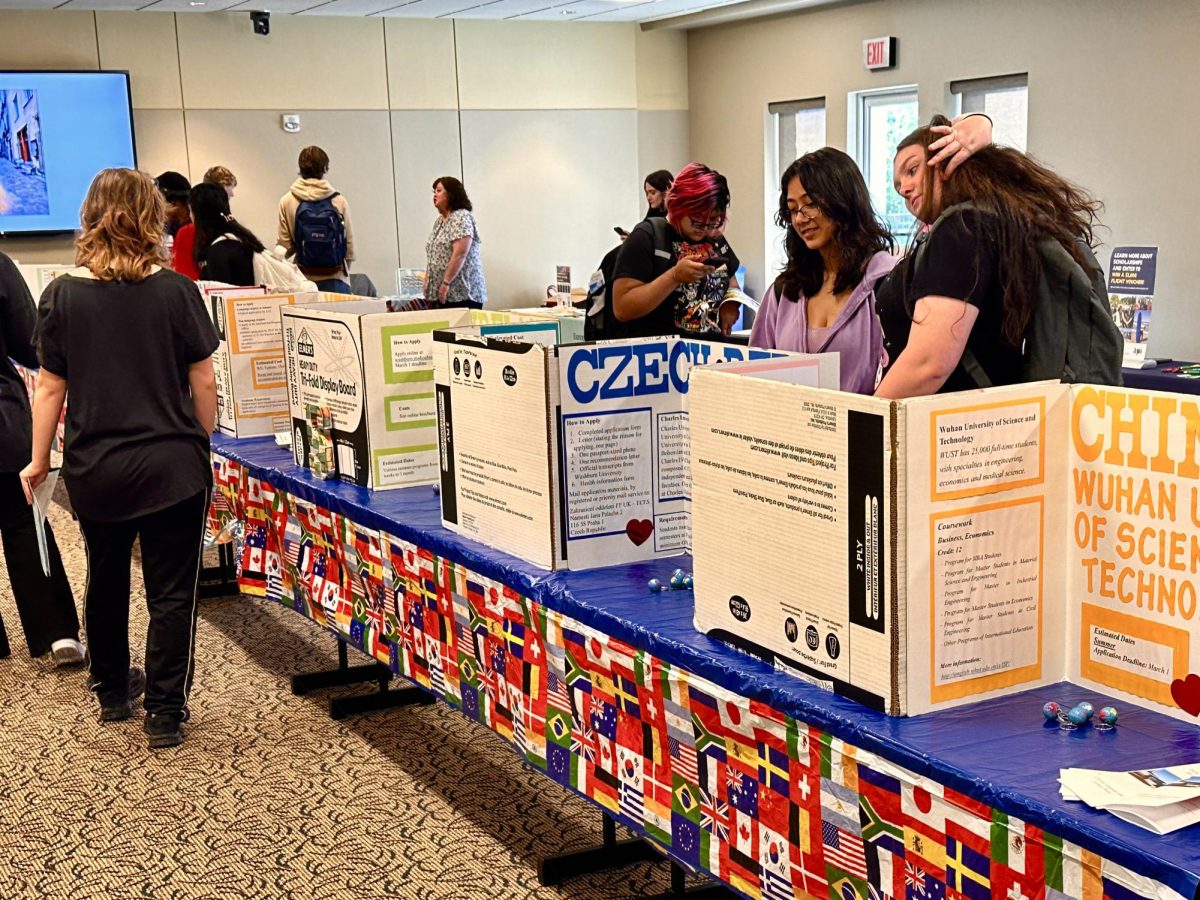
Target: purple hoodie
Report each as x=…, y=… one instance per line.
x=855, y=334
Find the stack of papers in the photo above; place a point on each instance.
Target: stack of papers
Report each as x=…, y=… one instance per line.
x=1159, y=800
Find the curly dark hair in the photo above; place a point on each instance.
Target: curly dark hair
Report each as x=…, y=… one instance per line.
x=836, y=186
x=455, y=192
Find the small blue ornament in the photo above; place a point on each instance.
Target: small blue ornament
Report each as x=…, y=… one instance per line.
x=1050, y=711
x=677, y=580
x=688, y=582
x=1106, y=718
x=678, y=572
x=1080, y=714
x=655, y=585
x=1086, y=707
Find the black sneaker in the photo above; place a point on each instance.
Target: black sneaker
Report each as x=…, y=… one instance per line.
x=164, y=730
x=116, y=712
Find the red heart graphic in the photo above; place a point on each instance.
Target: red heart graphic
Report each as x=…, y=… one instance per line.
x=638, y=530
x=1186, y=693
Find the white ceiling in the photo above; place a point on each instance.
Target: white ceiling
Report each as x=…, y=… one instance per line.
x=525, y=10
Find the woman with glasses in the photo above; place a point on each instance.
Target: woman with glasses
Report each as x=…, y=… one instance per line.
x=839, y=256
x=672, y=274
x=837, y=251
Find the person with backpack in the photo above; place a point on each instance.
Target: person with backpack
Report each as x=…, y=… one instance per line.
x=314, y=225
x=1003, y=287
x=672, y=274
x=838, y=252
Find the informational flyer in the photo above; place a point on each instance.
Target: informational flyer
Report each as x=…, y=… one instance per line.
x=1134, y=491
x=1131, y=276
x=983, y=491
x=625, y=444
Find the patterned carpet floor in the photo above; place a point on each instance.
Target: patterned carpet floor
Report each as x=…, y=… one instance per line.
x=268, y=797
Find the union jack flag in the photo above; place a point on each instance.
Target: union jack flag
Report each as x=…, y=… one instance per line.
x=714, y=816
x=584, y=743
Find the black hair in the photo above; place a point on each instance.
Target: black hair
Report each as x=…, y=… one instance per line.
x=173, y=186
x=834, y=183
x=661, y=180
x=455, y=192
x=210, y=214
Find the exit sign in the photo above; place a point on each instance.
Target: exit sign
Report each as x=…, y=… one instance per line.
x=879, y=53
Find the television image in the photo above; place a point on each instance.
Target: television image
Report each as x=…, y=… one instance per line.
x=22, y=163
x=57, y=130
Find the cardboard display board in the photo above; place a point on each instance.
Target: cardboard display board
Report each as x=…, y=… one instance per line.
x=568, y=319
x=921, y=554
x=577, y=455
x=360, y=390
x=38, y=276
x=248, y=362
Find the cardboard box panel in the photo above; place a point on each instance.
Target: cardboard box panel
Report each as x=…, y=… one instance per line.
x=495, y=412
x=370, y=372
x=613, y=464
x=792, y=523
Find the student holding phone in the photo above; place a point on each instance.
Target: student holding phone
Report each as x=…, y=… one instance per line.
x=672, y=274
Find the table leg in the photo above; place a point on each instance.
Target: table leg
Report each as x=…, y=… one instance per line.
x=345, y=674
x=610, y=854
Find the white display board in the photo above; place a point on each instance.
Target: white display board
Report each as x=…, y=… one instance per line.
x=925, y=553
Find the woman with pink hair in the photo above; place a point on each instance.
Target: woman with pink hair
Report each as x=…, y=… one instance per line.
x=672, y=274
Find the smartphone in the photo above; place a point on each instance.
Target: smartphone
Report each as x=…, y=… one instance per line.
x=621, y=231
x=715, y=261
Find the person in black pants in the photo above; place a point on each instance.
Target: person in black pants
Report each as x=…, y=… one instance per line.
x=135, y=343
x=45, y=604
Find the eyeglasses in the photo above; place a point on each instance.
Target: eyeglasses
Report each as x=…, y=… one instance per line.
x=808, y=210
x=711, y=225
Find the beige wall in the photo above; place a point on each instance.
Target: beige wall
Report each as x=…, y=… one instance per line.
x=1114, y=104
x=549, y=125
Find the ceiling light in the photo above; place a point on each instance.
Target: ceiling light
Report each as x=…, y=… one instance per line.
x=196, y=3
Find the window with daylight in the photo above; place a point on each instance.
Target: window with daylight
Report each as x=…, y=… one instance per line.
x=1004, y=98
x=879, y=120
x=795, y=127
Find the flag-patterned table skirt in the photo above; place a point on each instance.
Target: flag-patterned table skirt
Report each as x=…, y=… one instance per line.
x=757, y=799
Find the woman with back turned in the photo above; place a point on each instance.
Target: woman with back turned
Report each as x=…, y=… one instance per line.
x=133, y=342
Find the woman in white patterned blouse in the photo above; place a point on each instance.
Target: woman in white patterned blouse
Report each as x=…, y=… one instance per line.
x=454, y=271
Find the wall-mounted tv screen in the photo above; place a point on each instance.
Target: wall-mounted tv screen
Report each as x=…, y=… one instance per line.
x=57, y=130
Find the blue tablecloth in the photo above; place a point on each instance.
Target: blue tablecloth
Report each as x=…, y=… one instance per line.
x=998, y=751
x=1157, y=380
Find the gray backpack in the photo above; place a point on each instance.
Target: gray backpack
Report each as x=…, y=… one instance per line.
x=1072, y=336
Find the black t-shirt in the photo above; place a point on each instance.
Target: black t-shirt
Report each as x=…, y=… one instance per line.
x=960, y=261
x=691, y=308
x=229, y=261
x=133, y=445
x=17, y=319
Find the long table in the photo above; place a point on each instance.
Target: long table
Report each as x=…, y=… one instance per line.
x=770, y=785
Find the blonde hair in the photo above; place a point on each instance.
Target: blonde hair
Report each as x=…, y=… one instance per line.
x=220, y=175
x=122, y=219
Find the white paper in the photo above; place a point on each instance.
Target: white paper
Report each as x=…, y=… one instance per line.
x=41, y=505
x=1159, y=800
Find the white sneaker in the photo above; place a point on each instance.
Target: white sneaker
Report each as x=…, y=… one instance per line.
x=67, y=652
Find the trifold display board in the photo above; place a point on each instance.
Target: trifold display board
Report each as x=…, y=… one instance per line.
x=575, y=456
x=360, y=390
x=925, y=553
x=248, y=362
